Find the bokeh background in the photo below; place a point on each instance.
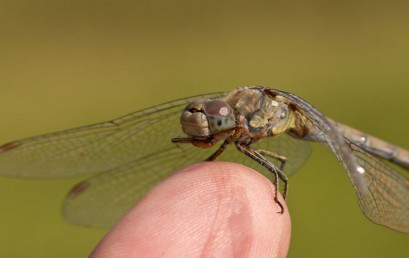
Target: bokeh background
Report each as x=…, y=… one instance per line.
x=69, y=63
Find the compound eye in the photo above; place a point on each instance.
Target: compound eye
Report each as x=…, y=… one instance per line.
x=219, y=114
x=217, y=108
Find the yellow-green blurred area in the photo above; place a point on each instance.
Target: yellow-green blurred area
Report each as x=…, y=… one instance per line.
x=69, y=63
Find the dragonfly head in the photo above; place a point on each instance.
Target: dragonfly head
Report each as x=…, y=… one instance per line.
x=205, y=117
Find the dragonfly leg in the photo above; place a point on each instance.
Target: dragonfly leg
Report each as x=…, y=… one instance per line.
x=247, y=150
x=218, y=151
x=203, y=143
x=273, y=155
x=226, y=143
x=282, y=160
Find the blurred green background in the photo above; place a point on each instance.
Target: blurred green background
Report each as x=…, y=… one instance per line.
x=69, y=63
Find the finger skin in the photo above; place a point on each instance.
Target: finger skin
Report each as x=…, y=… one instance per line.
x=209, y=209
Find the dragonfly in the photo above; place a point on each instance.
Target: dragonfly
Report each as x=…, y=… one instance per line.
x=269, y=130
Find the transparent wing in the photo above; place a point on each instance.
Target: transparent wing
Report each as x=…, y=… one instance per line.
x=103, y=199
x=382, y=193
x=388, y=200
x=97, y=147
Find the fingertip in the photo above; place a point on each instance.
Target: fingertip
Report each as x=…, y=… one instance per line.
x=209, y=208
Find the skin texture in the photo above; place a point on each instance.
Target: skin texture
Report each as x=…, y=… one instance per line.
x=209, y=209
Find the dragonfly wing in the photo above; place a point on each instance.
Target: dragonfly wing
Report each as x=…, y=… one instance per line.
x=388, y=200
x=383, y=193
x=97, y=147
x=103, y=199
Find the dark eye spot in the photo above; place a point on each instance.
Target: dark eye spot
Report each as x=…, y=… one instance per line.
x=219, y=122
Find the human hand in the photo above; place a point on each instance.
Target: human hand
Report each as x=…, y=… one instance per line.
x=209, y=209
